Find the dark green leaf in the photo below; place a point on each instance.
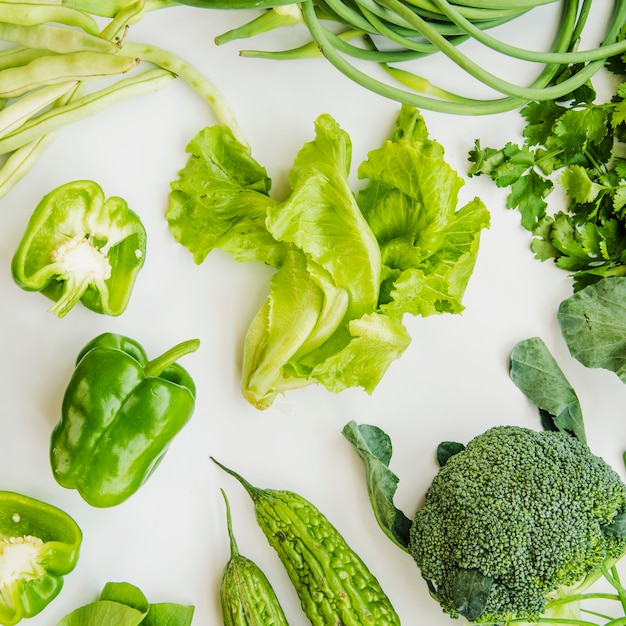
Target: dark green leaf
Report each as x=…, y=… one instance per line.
x=447, y=449
x=536, y=373
x=374, y=447
x=593, y=323
x=617, y=528
x=528, y=195
x=540, y=118
x=576, y=129
x=470, y=593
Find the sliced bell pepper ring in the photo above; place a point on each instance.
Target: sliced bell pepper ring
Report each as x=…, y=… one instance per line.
x=79, y=246
x=120, y=413
x=39, y=544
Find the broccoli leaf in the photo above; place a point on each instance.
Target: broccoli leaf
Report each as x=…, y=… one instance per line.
x=446, y=450
x=617, y=527
x=593, y=324
x=374, y=448
x=470, y=593
x=536, y=373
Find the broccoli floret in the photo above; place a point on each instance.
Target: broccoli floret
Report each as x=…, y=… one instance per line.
x=514, y=520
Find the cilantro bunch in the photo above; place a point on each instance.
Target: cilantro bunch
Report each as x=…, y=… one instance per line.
x=580, y=145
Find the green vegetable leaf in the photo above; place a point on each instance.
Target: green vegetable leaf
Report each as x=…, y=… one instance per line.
x=540, y=118
x=220, y=201
x=303, y=310
x=103, y=613
x=576, y=129
x=124, y=604
x=446, y=450
x=321, y=217
x=168, y=614
x=470, y=593
x=346, y=271
x=617, y=527
x=127, y=594
x=593, y=323
x=536, y=373
x=528, y=194
x=428, y=247
x=375, y=342
x=374, y=448
x=577, y=184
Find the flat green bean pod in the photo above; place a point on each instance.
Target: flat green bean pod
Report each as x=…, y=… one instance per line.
x=36, y=13
x=18, y=56
x=84, y=106
x=48, y=70
x=55, y=38
x=22, y=109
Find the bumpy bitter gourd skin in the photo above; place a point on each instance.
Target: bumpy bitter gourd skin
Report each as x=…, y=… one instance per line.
x=247, y=597
x=334, y=585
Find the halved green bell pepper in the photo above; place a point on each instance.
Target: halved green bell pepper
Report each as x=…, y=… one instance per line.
x=39, y=544
x=79, y=246
x=120, y=413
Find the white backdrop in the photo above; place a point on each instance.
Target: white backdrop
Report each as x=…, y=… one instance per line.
x=451, y=383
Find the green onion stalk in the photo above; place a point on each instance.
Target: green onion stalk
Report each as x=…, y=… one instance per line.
x=396, y=34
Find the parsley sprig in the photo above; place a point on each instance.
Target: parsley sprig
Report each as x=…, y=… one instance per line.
x=580, y=145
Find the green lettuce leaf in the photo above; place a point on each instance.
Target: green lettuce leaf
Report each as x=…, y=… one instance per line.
x=321, y=217
x=220, y=200
x=428, y=247
x=347, y=268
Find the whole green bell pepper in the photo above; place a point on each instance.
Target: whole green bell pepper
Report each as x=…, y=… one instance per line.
x=80, y=247
x=120, y=413
x=39, y=544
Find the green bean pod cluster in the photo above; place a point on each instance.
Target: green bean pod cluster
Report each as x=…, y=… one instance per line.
x=333, y=583
x=396, y=34
x=53, y=61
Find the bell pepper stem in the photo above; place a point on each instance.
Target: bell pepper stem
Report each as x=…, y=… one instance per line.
x=161, y=363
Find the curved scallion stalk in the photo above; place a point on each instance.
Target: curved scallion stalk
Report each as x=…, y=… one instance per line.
x=514, y=95
x=563, y=58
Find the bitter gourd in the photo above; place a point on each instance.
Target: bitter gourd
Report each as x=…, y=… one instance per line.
x=334, y=585
x=246, y=596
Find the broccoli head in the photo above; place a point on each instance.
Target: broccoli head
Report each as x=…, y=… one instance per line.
x=514, y=520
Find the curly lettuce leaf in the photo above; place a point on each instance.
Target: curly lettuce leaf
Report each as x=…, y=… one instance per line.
x=303, y=308
x=347, y=268
x=428, y=247
x=220, y=200
x=321, y=217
